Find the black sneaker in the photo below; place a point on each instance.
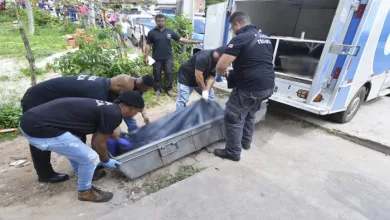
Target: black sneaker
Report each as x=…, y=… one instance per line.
x=246, y=146
x=170, y=93
x=223, y=154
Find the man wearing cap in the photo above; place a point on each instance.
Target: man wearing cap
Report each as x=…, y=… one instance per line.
x=105, y=89
x=51, y=127
x=198, y=73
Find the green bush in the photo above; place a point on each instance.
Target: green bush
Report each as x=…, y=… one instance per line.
x=93, y=59
x=9, y=116
x=8, y=15
x=181, y=52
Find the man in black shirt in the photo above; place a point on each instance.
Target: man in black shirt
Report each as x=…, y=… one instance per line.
x=52, y=126
x=197, y=74
x=160, y=37
x=73, y=86
x=251, y=54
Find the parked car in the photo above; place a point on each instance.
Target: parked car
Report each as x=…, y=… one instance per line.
x=199, y=29
x=134, y=33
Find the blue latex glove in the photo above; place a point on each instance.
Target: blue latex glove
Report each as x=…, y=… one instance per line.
x=124, y=142
x=111, y=146
x=111, y=163
x=218, y=78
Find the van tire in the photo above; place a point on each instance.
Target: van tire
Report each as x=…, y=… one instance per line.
x=352, y=109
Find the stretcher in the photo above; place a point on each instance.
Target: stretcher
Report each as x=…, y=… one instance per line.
x=178, y=142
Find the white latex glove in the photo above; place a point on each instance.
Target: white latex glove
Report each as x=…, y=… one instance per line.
x=205, y=94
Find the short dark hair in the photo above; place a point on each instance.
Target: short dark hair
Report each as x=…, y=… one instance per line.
x=160, y=16
x=240, y=17
x=148, y=80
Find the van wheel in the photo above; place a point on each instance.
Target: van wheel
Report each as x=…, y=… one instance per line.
x=353, y=107
x=134, y=41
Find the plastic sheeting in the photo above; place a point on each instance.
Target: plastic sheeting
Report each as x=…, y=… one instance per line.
x=191, y=116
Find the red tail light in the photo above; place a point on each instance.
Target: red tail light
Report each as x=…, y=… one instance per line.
x=304, y=93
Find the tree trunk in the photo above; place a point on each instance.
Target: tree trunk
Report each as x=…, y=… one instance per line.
x=30, y=56
x=30, y=17
x=92, y=12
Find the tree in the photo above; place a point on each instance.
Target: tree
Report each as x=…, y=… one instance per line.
x=30, y=56
x=30, y=17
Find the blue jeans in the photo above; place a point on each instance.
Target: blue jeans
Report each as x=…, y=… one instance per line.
x=82, y=157
x=131, y=124
x=184, y=92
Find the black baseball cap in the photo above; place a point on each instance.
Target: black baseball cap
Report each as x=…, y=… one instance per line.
x=132, y=99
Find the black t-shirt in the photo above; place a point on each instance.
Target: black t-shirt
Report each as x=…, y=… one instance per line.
x=202, y=61
x=253, y=65
x=68, y=86
x=80, y=116
x=161, y=41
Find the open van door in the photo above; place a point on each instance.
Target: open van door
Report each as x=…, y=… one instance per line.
x=215, y=26
x=333, y=46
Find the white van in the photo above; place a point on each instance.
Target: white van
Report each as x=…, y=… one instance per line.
x=329, y=55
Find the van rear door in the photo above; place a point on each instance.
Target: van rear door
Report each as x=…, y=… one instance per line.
x=215, y=26
x=333, y=46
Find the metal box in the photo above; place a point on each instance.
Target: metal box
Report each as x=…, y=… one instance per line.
x=163, y=152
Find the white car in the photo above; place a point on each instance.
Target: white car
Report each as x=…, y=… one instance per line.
x=134, y=33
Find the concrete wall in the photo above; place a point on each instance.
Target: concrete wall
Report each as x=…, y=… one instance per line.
x=286, y=20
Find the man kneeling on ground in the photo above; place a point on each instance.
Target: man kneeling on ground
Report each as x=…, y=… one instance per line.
x=198, y=74
x=56, y=125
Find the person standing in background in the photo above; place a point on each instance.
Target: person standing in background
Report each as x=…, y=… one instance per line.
x=113, y=18
x=160, y=39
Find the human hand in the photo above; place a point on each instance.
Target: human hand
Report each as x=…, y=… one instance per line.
x=146, y=120
x=111, y=163
x=146, y=60
x=124, y=142
x=205, y=95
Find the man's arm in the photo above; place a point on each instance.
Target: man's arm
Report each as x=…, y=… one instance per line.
x=209, y=83
x=176, y=37
x=199, y=79
x=147, y=51
x=224, y=62
x=149, y=42
x=145, y=117
x=187, y=41
x=99, y=143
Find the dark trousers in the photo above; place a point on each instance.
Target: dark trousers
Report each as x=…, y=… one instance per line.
x=240, y=117
x=167, y=66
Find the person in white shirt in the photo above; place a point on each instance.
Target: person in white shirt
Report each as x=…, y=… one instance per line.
x=124, y=25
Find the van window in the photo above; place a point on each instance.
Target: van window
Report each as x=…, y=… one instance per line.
x=199, y=26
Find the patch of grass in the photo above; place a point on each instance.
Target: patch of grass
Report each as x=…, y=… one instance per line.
x=9, y=116
x=9, y=136
x=38, y=71
x=45, y=42
x=183, y=173
x=4, y=78
x=151, y=100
